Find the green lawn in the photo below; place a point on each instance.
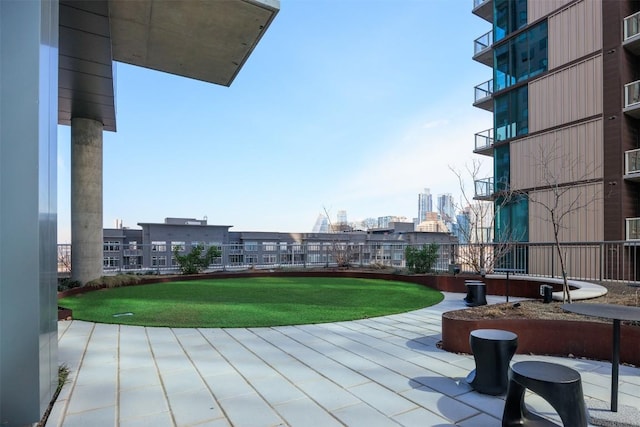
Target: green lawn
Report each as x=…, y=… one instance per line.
x=249, y=302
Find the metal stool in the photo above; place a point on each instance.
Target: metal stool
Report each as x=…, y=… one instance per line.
x=557, y=384
x=492, y=350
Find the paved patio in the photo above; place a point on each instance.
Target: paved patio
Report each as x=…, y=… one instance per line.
x=385, y=371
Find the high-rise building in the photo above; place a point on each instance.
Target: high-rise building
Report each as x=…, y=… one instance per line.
x=566, y=115
x=446, y=207
x=321, y=225
x=425, y=204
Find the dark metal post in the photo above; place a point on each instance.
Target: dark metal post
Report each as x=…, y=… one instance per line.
x=615, y=361
x=507, y=285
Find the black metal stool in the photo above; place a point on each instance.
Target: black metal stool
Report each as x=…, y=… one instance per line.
x=476, y=293
x=492, y=350
x=557, y=384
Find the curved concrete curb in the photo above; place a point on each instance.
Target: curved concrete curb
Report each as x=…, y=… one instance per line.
x=579, y=290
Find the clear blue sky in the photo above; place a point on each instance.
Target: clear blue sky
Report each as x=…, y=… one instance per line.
x=344, y=104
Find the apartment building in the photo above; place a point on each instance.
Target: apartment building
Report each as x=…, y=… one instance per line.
x=152, y=246
x=564, y=95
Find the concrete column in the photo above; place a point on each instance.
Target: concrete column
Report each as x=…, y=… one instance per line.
x=86, y=199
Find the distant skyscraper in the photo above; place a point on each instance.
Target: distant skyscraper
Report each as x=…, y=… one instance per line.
x=425, y=204
x=342, y=217
x=321, y=225
x=446, y=207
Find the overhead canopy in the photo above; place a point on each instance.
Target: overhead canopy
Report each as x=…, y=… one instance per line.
x=208, y=40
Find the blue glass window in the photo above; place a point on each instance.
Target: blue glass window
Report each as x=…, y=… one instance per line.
x=521, y=57
x=509, y=16
x=512, y=220
x=511, y=114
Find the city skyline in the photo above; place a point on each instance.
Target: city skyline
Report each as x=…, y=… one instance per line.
x=328, y=113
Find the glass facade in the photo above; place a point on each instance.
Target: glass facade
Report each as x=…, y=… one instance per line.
x=520, y=58
x=509, y=16
x=501, y=165
x=512, y=220
x=511, y=114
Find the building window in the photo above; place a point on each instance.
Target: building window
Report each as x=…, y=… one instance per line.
x=158, y=246
x=269, y=246
x=111, y=247
x=502, y=166
x=511, y=116
x=133, y=245
x=177, y=246
x=521, y=58
x=251, y=246
x=512, y=220
x=159, y=261
x=236, y=259
x=269, y=258
x=509, y=16
x=251, y=259
x=313, y=247
x=110, y=262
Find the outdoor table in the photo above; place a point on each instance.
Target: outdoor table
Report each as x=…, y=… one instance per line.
x=617, y=313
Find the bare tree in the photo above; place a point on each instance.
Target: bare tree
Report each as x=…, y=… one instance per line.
x=562, y=193
x=483, y=252
x=341, y=250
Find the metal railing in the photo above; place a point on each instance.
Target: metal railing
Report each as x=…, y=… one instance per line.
x=631, y=26
x=483, y=90
x=484, y=139
x=632, y=161
x=594, y=261
x=484, y=188
x=483, y=42
x=631, y=94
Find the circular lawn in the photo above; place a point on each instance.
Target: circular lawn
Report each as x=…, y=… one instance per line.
x=250, y=302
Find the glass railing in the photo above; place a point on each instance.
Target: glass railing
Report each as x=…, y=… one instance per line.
x=631, y=26
x=484, y=90
x=633, y=228
x=483, y=188
x=632, y=161
x=631, y=93
x=477, y=3
x=482, y=42
x=484, y=139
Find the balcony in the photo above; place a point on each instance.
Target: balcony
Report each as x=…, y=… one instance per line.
x=483, y=9
x=632, y=229
x=483, y=189
x=484, y=142
x=631, y=36
x=632, y=165
x=632, y=99
x=482, y=51
x=482, y=96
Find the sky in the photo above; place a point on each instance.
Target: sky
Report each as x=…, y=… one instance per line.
x=353, y=105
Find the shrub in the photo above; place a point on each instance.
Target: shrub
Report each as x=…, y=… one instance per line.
x=421, y=260
x=114, y=281
x=67, y=283
x=196, y=260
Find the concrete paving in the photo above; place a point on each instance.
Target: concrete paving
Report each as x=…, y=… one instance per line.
x=384, y=371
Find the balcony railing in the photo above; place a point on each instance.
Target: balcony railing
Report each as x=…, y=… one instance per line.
x=483, y=188
x=482, y=49
x=485, y=90
x=632, y=99
x=482, y=95
x=484, y=140
x=483, y=42
x=631, y=26
x=483, y=9
x=632, y=162
x=633, y=228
